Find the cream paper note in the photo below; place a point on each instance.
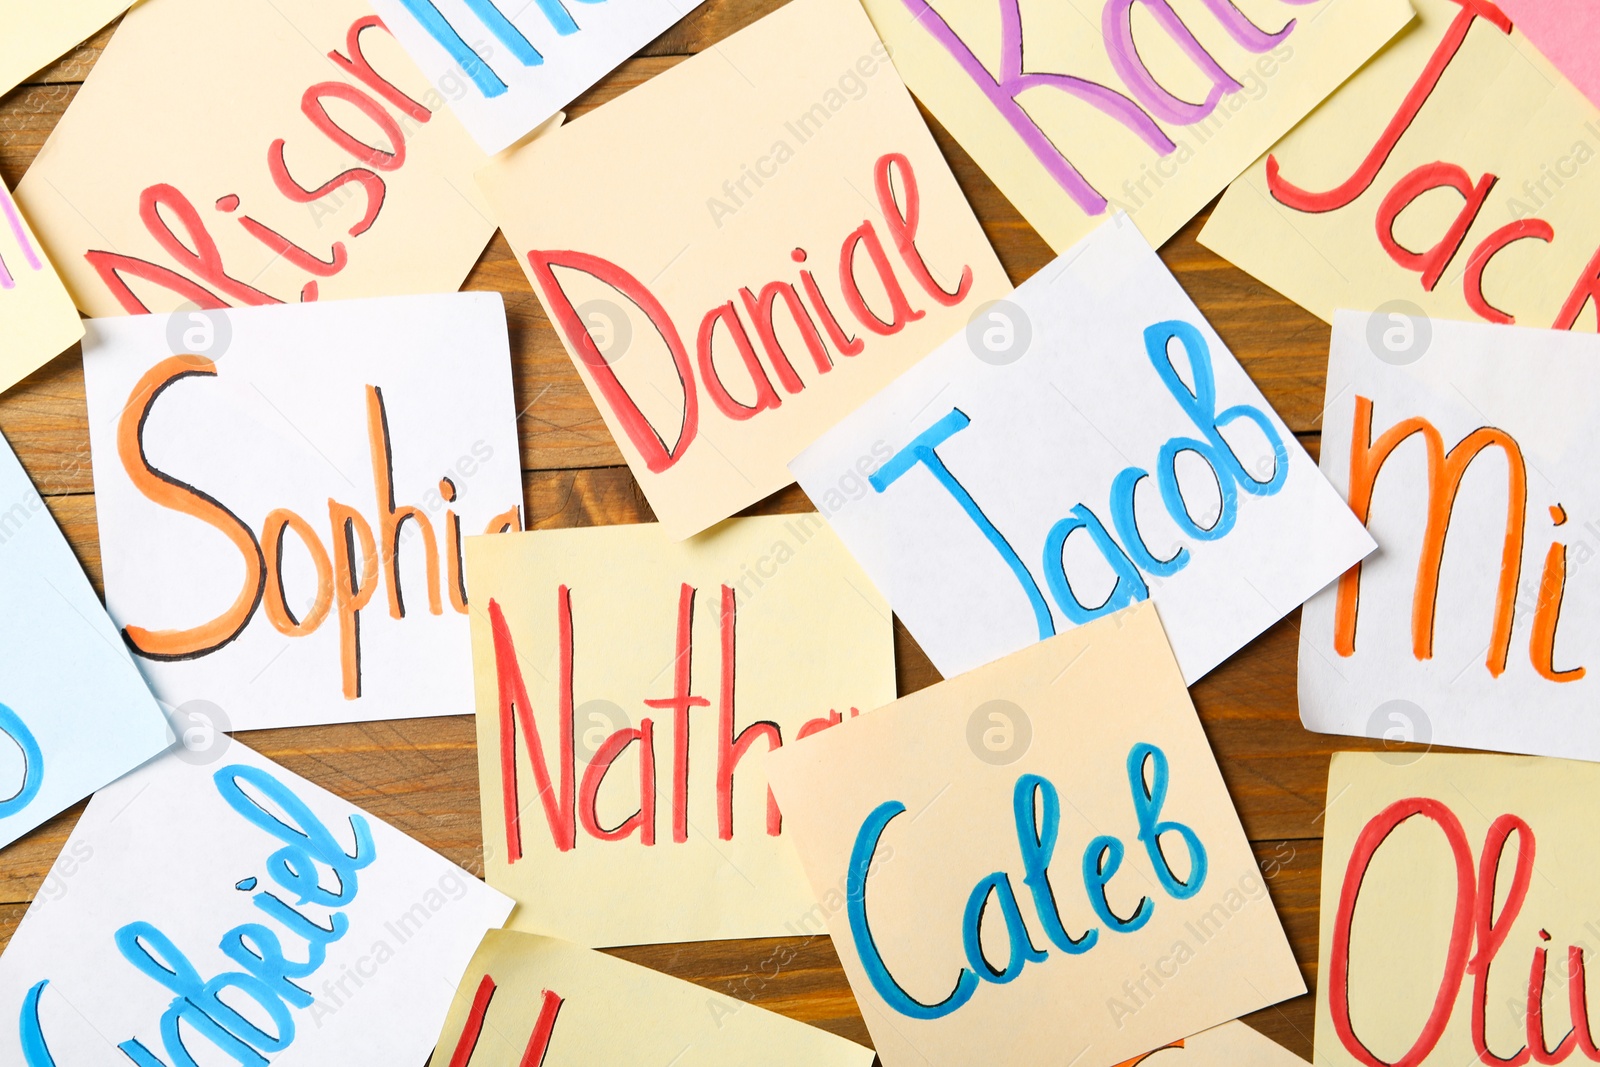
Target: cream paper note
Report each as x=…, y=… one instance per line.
x=1458, y=911
x=742, y=249
x=295, y=154
x=630, y=690
x=1454, y=175
x=37, y=318
x=1229, y=1045
x=33, y=33
x=1049, y=830
x=531, y=1001
x=1080, y=108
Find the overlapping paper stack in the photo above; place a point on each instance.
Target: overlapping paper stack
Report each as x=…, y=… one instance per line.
x=316, y=468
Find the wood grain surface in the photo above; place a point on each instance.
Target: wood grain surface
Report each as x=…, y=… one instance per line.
x=421, y=774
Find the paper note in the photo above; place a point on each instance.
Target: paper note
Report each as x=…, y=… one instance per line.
x=507, y=67
x=1070, y=789
x=1565, y=31
x=1086, y=443
x=294, y=154
x=730, y=287
x=282, y=496
x=1453, y=175
x=1229, y=1045
x=1082, y=108
x=630, y=690
x=33, y=33
x=1477, y=621
x=1458, y=911
x=530, y=1000
x=222, y=909
x=74, y=713
x=37, y=318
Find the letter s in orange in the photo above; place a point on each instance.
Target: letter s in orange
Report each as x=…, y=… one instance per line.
x=174, y=495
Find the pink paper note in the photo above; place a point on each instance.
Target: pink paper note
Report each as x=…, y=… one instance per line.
x=1566, y=31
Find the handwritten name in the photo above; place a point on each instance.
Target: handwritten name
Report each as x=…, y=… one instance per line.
x=809, y=317
x=1037, y=814
x=476, y=66
x=1446, y=470
x=544, y=1026
x=568, y=805
x=269, y=976
x=195, y=249
x=1138, y=113
x=1477, y=934
x=1430, y=264
x=347, y=576
x=1126, y=553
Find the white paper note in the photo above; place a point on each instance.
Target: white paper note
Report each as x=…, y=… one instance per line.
x=223, y=905
x=1477, y=622
x=505, y=67
x=1087, y=443
x=282, y=495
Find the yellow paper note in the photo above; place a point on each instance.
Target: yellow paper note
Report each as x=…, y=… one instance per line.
x=37, y=319
x=1458, y=910
x=35, y=32
x=293, y=154
x=1081, y=107
x=531, y=1000
x=1454, y=175
x=1048, y=830
x=633, y=687
x=742, y=249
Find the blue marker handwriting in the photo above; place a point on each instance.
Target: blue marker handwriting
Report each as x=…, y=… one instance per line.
x=489, y=14
x=12, y=727
x=1036, y=811
x=1129, y=557
x=270, y=973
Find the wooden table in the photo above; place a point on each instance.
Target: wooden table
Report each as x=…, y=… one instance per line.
x=421, y=774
